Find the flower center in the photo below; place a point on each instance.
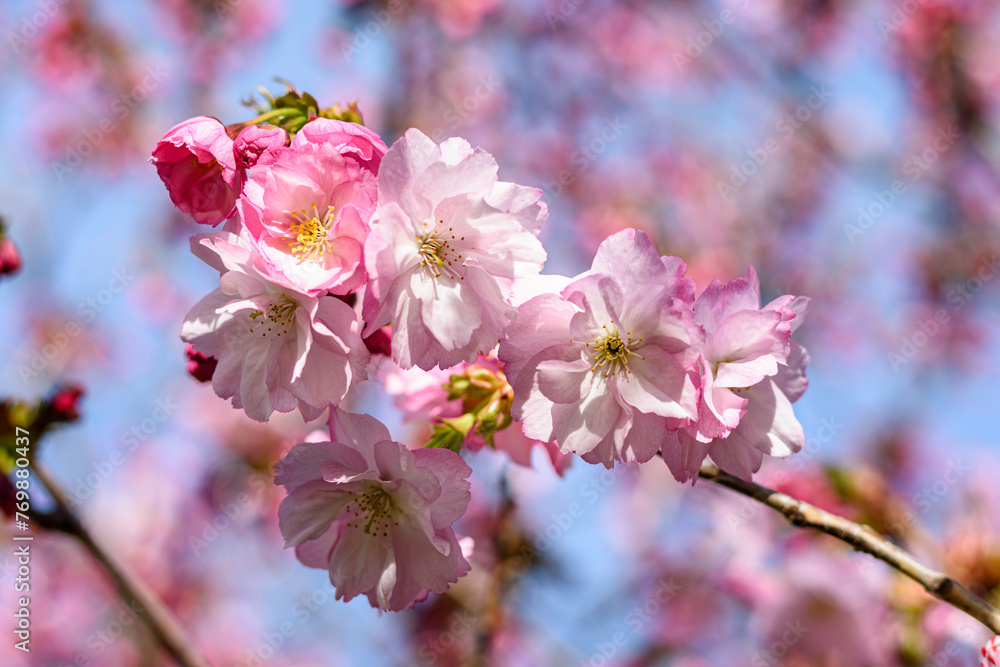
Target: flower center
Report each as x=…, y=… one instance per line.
x=277, y=320
x=376, y=506
x=308, y=236
x=612, y=353
x=437, y=255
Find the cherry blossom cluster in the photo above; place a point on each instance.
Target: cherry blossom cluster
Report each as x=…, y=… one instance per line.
x=335, y=249
x=622, y=363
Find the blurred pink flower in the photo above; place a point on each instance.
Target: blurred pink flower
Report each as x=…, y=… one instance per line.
x=376, y=515
x=447, y=242
x=459, y=19
x=602, y=367
x=825, y=608
x=692, y=609
x=276, y=347
x=195, y=160
x=811, y=484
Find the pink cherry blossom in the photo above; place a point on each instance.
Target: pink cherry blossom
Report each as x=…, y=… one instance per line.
x=259, y=144
x=603, y=366
x=447, y=242
x=308, y=213
x=277, y=349
x=351, y=140
x=750, y=373
x=195, y=160
x=374, y=514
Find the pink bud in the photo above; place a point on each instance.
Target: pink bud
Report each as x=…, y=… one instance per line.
x=195, y=161
x=200, y=366
x=380, y=342
x=64, y=406
x=259, y=144
x=10, y=258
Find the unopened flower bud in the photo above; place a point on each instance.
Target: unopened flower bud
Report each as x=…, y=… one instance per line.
x=64, y=405
x=201, y=367
x=10, y=258
x=195, y=161
x=380, y=342
x=259, y=144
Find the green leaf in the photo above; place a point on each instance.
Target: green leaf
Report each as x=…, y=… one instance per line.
x=445, y=437
x=450, y=433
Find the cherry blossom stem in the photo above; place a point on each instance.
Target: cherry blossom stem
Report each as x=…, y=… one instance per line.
x=803, y=515
x=165, y=628
x=233, y=130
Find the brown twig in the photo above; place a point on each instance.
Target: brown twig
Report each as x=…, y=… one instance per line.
x=862, y=538
x=151, y=610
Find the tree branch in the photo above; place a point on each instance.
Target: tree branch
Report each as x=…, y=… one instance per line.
x=862, y=538
x=151, y=610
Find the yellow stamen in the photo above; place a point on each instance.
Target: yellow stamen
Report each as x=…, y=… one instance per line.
x=309, y=235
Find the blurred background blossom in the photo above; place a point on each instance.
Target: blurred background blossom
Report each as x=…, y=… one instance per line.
x=848, y=150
